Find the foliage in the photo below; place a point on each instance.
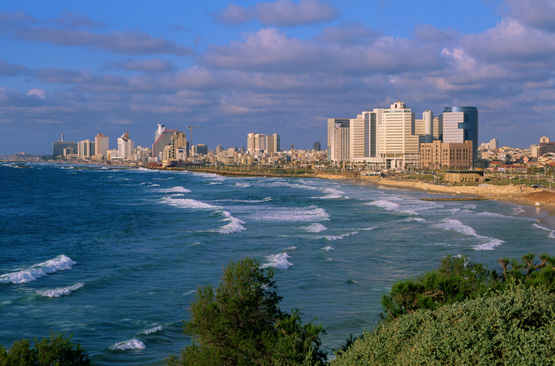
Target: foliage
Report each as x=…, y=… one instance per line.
x=240, y=323
x=514, y=327
x=457, y=279
x=54, y=350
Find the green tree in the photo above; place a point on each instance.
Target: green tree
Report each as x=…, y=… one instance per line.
x=240, y=323
x=55, y=350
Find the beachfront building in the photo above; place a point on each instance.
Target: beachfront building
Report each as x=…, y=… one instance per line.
x=101, y=146
x=63, y=148
x=459, y=125
x=162, y=138
x=261, y=143
x=338, y=140
x=397, y=144
x=85, y=149
x=446, y=155
x=126, y=147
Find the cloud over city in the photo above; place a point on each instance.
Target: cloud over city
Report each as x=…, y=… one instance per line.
x=273, y=76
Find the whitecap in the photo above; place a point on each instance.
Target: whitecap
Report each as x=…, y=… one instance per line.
x=518, y=210
x=290, y=214
x=455, y=225
x=177, y=189
x=188, y=203
x=59, y=263
x=242, y=185
x=551, y=232
x=417, y=219
x=152, y=330
x=291, y=248
x=57, y=292
x=128, y=345
x=339, y=237
x=490, y=214
x=315, y=228
x=279, y=261
x=234, y=225
x=328, y=248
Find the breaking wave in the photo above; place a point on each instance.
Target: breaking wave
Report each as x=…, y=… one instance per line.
x=339, y=237
x=488, y=243
x=152, y=330
x=279, y=261
x=551, y=232
x=128, y=345
x=59, y=263
x=234, y=225
x=289, y=214
x=57, y=292
x=315, y=228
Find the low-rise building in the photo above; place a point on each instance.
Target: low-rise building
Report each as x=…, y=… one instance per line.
x=445, y=155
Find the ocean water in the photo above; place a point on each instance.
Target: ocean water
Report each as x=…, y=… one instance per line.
x=114, y=256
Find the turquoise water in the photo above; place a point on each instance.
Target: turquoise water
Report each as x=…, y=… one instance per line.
x=114, y=256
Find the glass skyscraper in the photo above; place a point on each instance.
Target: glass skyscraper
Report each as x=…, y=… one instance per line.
x=461, y=124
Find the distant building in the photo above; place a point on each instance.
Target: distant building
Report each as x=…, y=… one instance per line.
x=317, y=146
x=101, y=146
x=85, y=149
x=338, y=139
x=461, y=124
x=201, y=149
x=546, y=146
x=398, y=145
x=219, y=149
x=445, y=155
x=273, y=144
x=126, y=147
x=162, y=137
x=63, y=148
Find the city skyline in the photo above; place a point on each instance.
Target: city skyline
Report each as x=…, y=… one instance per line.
x=277, y=66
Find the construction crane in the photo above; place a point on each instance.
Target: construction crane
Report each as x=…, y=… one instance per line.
x=191, y=131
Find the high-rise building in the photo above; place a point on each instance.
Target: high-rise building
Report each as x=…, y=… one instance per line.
x=162, y=137
x=338, y=139
x=273, y=144
x=63, y=148
x=398, y=146
x=85, y=149
x=461, y=124
x=359, y=143
x=317, y=146
x=101, y=146
x=126, y=147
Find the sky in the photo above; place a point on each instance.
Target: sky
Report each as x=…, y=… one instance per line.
x=80, y=68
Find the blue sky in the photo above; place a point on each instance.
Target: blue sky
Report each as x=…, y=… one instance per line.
x=284, y=66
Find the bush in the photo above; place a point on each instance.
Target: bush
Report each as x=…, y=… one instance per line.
x=515, y=327
x=54, y=350
x=240, y=323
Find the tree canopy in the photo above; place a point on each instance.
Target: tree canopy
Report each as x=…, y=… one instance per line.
x=240, y=323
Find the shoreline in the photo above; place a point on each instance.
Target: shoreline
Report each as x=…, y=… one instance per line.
x=520, y=195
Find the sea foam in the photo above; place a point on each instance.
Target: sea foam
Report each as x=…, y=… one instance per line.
x=59, y=263
x=551, y=232
x=339, y=237
x=152, y=330
x=57, y=292
x=234, y=225
x=278, y=261
x=315, y=228
x=177, y=189
x=488, y=243
x=128, y=345
x=290, y=214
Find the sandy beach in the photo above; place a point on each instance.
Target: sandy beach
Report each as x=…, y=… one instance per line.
x=536, y=198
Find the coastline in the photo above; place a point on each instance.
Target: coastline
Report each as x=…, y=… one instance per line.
x=514, y=194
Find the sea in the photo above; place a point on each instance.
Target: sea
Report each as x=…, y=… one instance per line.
x=113, y=256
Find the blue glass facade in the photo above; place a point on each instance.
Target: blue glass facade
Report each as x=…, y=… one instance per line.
x=469, y=126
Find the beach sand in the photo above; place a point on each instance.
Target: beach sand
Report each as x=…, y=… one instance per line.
x=537, y=202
